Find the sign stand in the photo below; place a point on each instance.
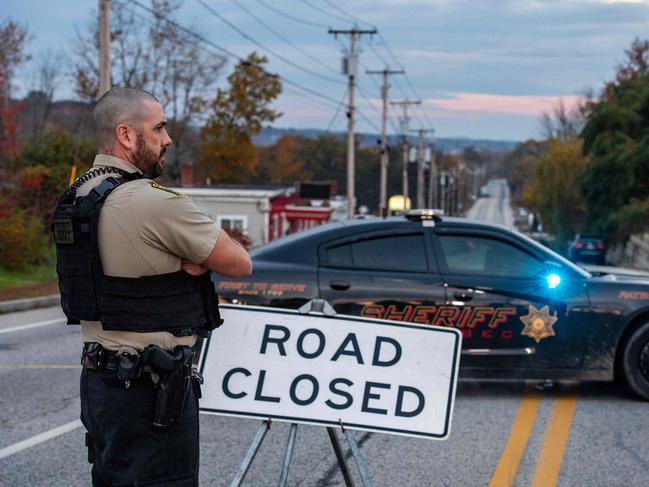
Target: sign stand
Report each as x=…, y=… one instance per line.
x=340, y=456
x=316, y=306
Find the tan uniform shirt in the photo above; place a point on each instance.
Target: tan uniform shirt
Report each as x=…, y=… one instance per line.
x=145, y=230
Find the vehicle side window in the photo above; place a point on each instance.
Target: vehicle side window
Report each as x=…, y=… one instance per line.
x=341, y=255
x=391, y=252
x=466, y=254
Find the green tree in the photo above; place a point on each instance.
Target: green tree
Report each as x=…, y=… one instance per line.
x=22, y=240
x=43, y=170
x=616, y=136
x=226, y=151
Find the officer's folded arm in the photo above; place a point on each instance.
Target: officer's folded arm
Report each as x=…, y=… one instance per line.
x=228, y=258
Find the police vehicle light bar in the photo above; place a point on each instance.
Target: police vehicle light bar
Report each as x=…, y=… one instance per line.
x=425, y=214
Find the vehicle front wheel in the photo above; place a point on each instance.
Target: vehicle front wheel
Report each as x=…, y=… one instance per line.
x=635, y=361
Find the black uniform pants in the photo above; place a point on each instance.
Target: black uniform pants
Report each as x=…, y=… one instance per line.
x=128, y=450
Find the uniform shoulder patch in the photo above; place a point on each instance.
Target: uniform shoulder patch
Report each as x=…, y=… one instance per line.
x=168, y=190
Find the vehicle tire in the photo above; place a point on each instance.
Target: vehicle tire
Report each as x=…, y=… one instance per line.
x=635, y=361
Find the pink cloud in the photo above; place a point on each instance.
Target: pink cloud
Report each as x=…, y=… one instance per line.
x=510, y=104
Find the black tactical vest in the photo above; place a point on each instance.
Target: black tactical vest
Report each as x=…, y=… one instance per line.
x=174, y=302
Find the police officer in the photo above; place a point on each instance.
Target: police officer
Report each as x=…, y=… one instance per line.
x=150, y=298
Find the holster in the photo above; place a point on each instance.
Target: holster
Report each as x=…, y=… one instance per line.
x=175, y=380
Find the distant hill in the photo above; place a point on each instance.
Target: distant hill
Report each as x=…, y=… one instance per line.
x=270, y=135
x=36, y=113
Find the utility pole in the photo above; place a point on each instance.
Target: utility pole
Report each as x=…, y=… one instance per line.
x=350, y=67
x=383, y=207
x=432, y=180
x=404, y=133
x=104, y=47
x=421, y=167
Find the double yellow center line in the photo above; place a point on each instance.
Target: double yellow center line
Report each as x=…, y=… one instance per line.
x=553, y=445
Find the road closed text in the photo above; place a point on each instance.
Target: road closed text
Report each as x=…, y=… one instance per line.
x=365, y=373
x=338, y=393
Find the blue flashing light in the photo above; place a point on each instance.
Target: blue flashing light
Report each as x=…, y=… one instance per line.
x=553, y=280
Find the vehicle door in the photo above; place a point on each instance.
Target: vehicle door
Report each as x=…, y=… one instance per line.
x=511, y=316
x=388, y=274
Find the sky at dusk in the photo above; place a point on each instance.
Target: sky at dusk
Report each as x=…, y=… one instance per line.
x=483, y=69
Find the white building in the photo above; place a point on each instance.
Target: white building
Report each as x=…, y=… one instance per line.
x=262, y=214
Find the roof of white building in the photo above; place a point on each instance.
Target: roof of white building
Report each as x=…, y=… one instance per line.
x=235, y=192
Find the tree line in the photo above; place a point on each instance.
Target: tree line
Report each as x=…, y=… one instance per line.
x=591, y=171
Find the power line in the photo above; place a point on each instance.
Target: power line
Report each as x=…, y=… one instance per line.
x=388, y=50
x=393, y=123
x=342, y=101
x=367, y=99
x=188, y=31
x=428, y=124
x=383, y=60
x=358, y=19
x=313, y=102
x=376, y=84
x=369, y=122
x=264, y=48
x=315, y=7
x=232, y=54
x=309, y=90
x=290, y=43
x=292, y=17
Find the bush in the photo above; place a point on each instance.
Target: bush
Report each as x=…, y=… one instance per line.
x=22, y=240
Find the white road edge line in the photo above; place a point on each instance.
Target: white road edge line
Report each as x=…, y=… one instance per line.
x=33, y=325
x=35, y=440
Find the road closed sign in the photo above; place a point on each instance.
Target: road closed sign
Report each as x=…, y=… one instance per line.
x=368, y=374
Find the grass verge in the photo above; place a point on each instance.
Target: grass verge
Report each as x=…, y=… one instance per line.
x=34, y=281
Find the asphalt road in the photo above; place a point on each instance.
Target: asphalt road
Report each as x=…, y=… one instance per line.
x=495, y=206
x=502, y=434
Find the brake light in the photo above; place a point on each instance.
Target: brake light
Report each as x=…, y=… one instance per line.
x=579, y=245
x=600, y=245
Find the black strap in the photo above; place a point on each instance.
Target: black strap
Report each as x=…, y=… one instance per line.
x=70, y=193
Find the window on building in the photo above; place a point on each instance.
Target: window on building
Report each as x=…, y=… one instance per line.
x=232, y=222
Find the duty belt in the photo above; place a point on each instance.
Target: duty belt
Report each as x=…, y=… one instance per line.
x=125, y=367
x=96, y=357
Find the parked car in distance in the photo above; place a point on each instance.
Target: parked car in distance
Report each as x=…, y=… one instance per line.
x=588, y=248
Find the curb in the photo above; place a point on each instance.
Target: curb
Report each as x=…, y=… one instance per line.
x=29, y=303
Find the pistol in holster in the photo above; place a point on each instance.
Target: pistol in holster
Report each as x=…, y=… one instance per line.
x=173, y=371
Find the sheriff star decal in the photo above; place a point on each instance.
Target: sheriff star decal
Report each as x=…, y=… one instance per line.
x=538, y=323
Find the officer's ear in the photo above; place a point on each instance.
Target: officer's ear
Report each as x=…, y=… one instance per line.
x=125, y=136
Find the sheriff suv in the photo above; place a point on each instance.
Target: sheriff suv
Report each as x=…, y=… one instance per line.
x=524, y=311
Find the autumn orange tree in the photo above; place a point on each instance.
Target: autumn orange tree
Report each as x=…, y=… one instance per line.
x=284, y=161
x=557, y=176
x=226, y=152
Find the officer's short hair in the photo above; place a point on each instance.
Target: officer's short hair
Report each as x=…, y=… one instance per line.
x=116, y=106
